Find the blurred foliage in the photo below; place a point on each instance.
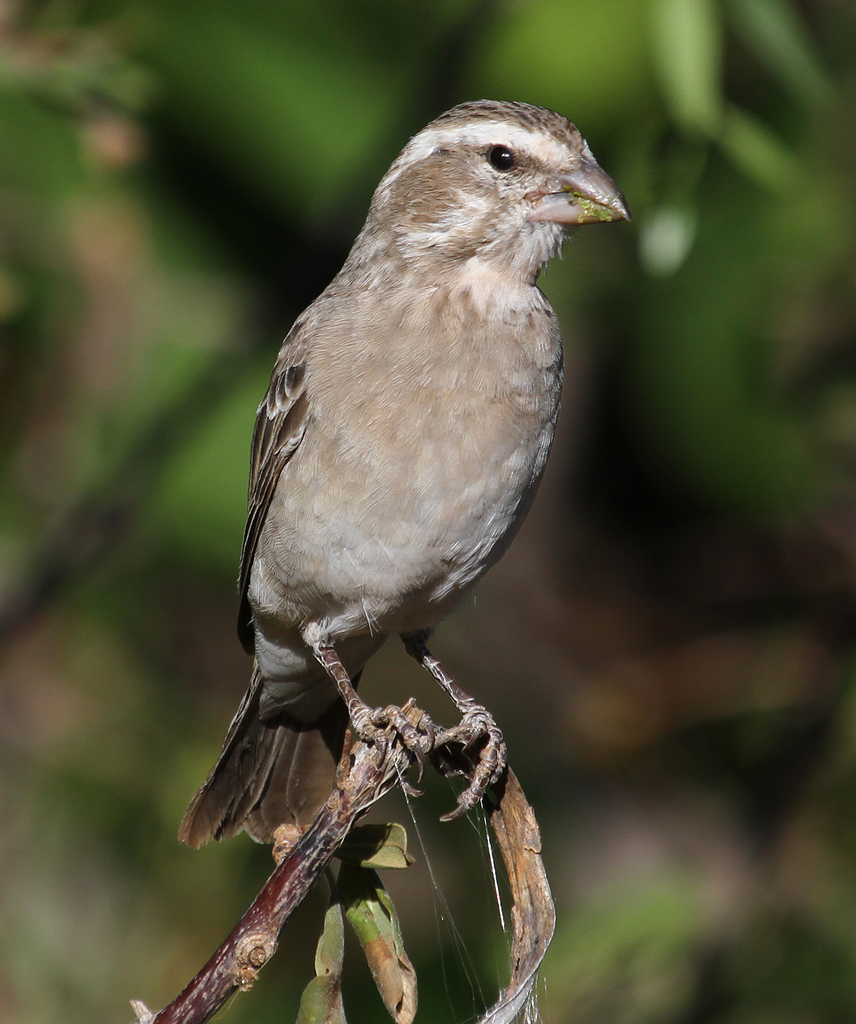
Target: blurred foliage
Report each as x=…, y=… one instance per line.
x=177, y=181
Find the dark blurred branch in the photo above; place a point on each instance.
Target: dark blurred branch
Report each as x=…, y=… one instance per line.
x=253, y=941
x=101, y=517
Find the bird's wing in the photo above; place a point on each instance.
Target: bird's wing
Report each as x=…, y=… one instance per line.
x=280, y=426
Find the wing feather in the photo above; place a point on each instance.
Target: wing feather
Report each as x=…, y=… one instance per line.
x=280, y=426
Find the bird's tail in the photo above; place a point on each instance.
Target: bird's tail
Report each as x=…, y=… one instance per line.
x=269, y=773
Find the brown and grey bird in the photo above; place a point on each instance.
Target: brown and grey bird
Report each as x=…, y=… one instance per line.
x=398, y=448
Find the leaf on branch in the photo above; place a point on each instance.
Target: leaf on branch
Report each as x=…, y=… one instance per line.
x=321, y=1002
x=377, y=846
x=372, y=915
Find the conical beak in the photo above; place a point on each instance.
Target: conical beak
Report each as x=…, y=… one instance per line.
x=585, y=196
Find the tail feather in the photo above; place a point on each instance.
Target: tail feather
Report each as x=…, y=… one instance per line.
x=269, y=773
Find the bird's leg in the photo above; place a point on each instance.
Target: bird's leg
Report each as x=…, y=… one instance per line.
x=476, y=725
x=373, y=725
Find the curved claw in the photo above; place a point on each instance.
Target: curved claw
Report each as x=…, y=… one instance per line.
x=410, y=790
x=477, y=725
x=484, y=776
x=466, y=802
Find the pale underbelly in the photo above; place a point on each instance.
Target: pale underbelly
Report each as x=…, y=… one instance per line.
x=366, y=538
x=363, y=590
x=354, y=574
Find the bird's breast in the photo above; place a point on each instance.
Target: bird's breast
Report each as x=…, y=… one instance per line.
x=412, y=478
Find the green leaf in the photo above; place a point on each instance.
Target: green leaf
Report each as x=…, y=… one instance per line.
x=321, y=1002
x=377, y=846
x=707, y=417
x=198, y=506
x=627, y=954
x=295, y=115
x=372, y=915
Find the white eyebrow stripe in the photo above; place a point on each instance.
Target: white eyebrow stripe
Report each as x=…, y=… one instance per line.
x=541, y=145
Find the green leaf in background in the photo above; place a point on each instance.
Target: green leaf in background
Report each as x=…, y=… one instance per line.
x=626, y=955
x=588, y=59
x=758, y=153
x=688, y=52
x=295, y=115
x=200, y=503
x=709, y=420
x=40, y=154
x=776, y=33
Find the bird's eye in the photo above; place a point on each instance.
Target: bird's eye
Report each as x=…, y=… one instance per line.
x=501, y=158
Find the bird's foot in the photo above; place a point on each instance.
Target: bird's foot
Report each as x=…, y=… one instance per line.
x=408, y=724
x=477, y=727
x=378, y=726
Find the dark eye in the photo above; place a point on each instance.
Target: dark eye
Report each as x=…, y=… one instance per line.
x=501, y=158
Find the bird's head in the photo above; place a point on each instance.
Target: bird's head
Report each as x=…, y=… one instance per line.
x=498, y=182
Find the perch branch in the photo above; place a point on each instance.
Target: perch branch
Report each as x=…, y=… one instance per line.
x=368, y=774
x=252, y=942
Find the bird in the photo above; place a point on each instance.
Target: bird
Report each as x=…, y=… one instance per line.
x=399, y=445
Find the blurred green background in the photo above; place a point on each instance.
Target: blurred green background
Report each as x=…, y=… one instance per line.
x=670, y=643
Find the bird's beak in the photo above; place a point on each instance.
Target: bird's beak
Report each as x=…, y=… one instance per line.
x=585, y=196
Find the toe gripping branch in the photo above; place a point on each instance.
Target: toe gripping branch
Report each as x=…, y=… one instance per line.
x=476, y=734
